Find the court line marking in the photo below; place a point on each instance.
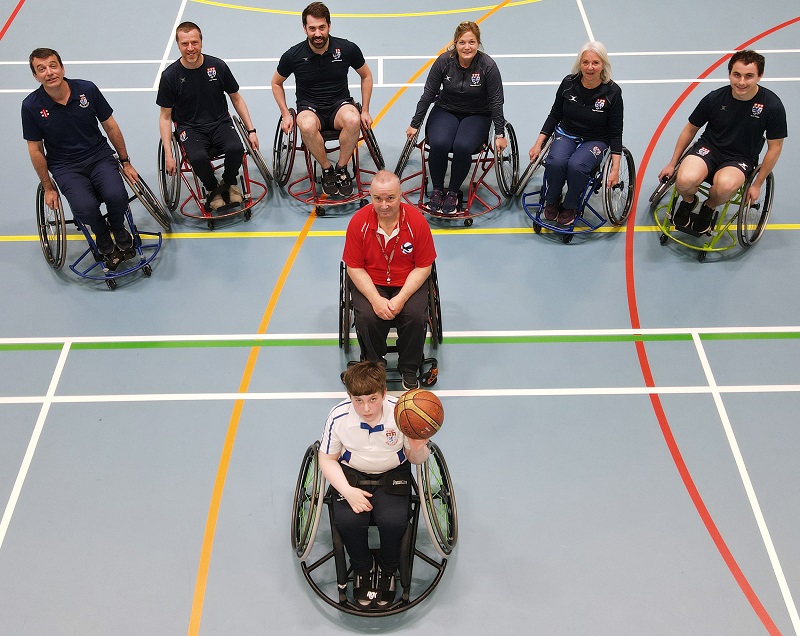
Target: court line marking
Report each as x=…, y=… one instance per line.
x=11, y=18
x=46, y=401
x=585, y=19
x=658, y=408
x=748, y=486
x=165, y=58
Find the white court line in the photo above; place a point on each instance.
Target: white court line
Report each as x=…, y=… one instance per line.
x=585, y=21
x=748, y=486
x=162, y=65
x=34, y=441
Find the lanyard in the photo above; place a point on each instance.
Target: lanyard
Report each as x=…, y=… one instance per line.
x=382, y=242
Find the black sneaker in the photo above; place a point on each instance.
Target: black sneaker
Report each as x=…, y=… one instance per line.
x=410, y=380
x=702, y=222
x=450, y=202
x=364, y=587
x=123, y=239
x=104, y=242
x=682, y=217
x=386, y=588
x=344, y=181
x=329, y=181
x=437, y=197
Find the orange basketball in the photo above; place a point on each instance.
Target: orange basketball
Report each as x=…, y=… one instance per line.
x=418, y=413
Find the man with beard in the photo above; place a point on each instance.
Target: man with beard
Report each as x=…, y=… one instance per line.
x=320, y=65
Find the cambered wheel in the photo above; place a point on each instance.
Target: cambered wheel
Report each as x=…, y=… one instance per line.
x=753, y=216
x=148, y=200
x=169, y=185
x=345, y=310
x=405, y=155
x=372, y=147
x=506, y=165
x=533, y=166
x=439, y=501
x=283, y=151
x=253, y=152
x=52, y=230
x=308, y=501
x=617, y=201
x=436, y=303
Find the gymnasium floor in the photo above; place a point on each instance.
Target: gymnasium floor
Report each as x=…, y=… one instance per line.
x=621, y=419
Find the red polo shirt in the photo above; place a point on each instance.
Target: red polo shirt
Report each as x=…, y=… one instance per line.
x=365, y=249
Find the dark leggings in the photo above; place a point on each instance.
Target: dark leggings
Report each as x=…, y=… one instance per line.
x=460, y=134
x=571, y=161
x=201, y=147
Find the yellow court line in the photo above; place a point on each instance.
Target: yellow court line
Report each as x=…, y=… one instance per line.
x=415, y=14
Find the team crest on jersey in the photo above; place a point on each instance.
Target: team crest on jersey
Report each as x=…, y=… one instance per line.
x=599, y=104
x=83, y=101
x=337, y=55
x=212, y=72
x=44, y=113
x=184, y=136
x=407, y=247
x=391, y=437
x=757, y=109
x=476, y=79
x=703, y=151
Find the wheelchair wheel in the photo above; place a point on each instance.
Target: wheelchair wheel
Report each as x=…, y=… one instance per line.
x=405, y=155
x=434, y=309
x=169, y=185
x=372, y=147
x=308, y=502
x=345, y=310
x=439, y=505
x=283, y=151
x=617, y=201
x=253, y=152
x=148, y=200
x=506, y=165
x=52, y=230
x=752, y=218
x=533, y=166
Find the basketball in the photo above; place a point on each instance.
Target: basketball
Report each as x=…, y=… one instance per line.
x=419, y=414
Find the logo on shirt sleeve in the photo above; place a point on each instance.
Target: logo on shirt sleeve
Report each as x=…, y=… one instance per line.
x=407, y=247
x=212, y=72
x=83, y=101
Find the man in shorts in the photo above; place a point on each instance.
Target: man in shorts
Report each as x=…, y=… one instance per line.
x=191, y=94
x=61, y=118
x=320, y=65
x=737, y=119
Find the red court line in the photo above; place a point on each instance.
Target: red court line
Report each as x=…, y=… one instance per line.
x=13, y=15
x=641, y=352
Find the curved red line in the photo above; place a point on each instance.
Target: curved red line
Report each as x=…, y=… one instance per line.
x=641, y=352
x=13, y=15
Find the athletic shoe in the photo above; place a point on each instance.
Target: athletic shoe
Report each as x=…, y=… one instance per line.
x=215, y=201
x=362, y=588
x=329, y=181
x=234, y=195
x=104, y=242
x=123, y=239
x=567, y=216
x=682, y=217
x=550, y=211
x=344, y=181
x=386, y=588
x=702, y=222
x=410, y=380
x=435, y=203
x=450, y=202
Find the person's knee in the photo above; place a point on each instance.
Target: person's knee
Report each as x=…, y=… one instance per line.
x=307, y=123
x=348, y=118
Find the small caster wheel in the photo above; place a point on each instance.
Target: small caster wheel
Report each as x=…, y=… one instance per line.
x=248, y=215
x=319, y=211
x=429, y=377
x=147, y=270
x=467, y=222
x=112, y=284
x=702, y=256
x=663, y=239
x=210, y=225
x=364, y=202
x=567, y=238
x=537, y=228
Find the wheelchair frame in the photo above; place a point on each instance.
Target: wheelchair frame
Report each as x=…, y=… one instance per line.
x=751, y=218
x=308, y=188
x=616, y=201
x=432, y=492
x=52, y=229
x=170, y=186
x=427, y=377
x=480, y=195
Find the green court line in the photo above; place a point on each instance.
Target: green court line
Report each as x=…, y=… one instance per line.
x=450, y=340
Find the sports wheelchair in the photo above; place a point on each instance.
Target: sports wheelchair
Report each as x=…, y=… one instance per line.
x=52, y=226
x=308, y=188
x=750, y=217
x=429, y=370
x=432, y=492
x=481, y=198
x=616, y=201
x=170, y=185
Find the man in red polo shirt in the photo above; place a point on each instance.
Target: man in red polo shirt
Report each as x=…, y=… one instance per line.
x=389, y=252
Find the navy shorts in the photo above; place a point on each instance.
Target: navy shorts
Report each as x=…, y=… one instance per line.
x=716, y=160
x=328, y=115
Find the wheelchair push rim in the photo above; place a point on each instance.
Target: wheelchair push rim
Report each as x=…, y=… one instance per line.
x=283, y=150
x=617, y=200
x=253, y=152
x=438, y=502
x=753, y=216
x=507, y=164
x=405, y=155
x=52, y=230
x=148, y=200
x=533, y=166
x=169, y=185
x=308, y=501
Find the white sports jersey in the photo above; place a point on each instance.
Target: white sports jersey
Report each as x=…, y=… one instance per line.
x=369, y=449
